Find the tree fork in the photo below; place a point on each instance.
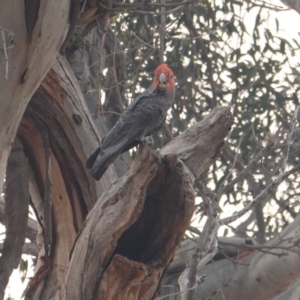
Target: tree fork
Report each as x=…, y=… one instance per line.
x=134, y=229
x=162, y=205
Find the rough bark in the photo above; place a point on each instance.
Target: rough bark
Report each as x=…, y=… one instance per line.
x=58, y=134
x=135, y=228
x=56, y=129
x=139, y=222
x=147, y=210
x=199, y=145
x=88, y=65
x=57, y=113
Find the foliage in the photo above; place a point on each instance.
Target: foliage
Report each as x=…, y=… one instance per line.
x=224, y=53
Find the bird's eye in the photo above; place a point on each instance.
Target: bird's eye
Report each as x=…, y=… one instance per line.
x=171, y=76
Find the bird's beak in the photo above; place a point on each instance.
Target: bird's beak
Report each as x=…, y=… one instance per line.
x=162, y=78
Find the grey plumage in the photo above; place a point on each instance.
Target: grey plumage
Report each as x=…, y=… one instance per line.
x=144, y=116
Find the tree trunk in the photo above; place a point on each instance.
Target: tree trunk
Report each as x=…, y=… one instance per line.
x=28, y=32
x=135, y=225
x=97, y=240
x=15, y=213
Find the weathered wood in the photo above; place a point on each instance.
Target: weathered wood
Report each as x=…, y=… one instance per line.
x=199, y=145
x=143, y=217
x=15, y=213
x=113, y=213
x=134, y=280
x=260, y=275
x=58, y=110
x=150, y=215
x=28, y=39
x=136, y=220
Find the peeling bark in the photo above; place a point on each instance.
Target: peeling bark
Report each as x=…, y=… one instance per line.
x=134, y=222
x=199, y=145
x=72, y=189
x=58, y=111
x=151, y=206
x=124, y=246
x=152, y=214
x=152, y=219
x=27, y=62
x=143, y=217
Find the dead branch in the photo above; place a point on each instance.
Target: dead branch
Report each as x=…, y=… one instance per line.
x=207, y=245
x=15, y=213
x=141, y=222
x=28, y=248
x=47, y=222
x=201, y=139
x=5, y=52
x=138, y=223
x=280, y=178
x=162, y=31
x=225, y=274
x=245, y=171
x=31, y=229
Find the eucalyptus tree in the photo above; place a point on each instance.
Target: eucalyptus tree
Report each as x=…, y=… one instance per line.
x=68, y=71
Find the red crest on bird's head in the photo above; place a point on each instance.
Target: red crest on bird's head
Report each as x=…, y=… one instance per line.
x=164, y=77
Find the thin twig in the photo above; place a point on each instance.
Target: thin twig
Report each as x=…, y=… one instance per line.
x=270, y=6
x=102, y=63
x=143, y=42
x=281, y=177
x=170, y=11
x=291, y=133
x=234, y=262
x=145, y=4
x=219, y=194
x=5, y=53
x=204, y=53
x=162, y=31
x=262, y=247
x=114, y=71
x=48, y=238
x=173, y=294
x=245, y=171
x=207, y=244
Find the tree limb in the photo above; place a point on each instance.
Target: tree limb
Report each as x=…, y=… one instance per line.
x=142, y=218
x=15, y=213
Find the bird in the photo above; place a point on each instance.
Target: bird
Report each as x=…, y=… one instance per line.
x=144, y=116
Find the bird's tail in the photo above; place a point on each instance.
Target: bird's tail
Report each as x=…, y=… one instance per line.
x=90, y=161
x=101, y=159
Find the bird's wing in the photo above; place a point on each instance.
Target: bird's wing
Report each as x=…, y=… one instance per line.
x=147, y=94
x=129, y=125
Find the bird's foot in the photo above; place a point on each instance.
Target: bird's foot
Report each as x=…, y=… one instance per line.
x=149, y=140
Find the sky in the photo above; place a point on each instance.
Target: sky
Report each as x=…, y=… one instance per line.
x=289, y=22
